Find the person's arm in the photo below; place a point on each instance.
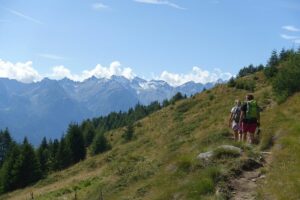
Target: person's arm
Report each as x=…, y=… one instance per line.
x=242, y=115
x=230, y=119
x=258, y=116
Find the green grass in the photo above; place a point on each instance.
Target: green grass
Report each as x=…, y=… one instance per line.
x=283, y=176
x=160, y=163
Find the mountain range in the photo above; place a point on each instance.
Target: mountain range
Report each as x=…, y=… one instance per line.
x=45, y=108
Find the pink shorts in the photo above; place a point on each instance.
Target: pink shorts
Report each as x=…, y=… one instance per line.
x=249, y=127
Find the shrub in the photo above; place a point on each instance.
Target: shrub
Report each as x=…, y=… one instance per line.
x=100, y=144
x=270, y=71
x=246, y=85
x=231, y=82
x=211, y=97
x=129, y=133
x=250, y=70
x=287, y=81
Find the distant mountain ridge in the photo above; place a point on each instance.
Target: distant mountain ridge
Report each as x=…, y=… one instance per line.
x=46, y=108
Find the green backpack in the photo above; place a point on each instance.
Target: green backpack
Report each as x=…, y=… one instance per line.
x=252, y=110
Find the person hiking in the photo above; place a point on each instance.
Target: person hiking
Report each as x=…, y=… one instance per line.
x=234, y=120
x=250, y=118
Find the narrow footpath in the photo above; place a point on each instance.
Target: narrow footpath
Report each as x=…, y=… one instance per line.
x=244, y=187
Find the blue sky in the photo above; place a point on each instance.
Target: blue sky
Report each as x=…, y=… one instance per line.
x=173, y=40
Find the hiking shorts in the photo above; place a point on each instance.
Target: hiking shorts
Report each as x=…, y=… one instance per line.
x=249, y=127
x=235, y=126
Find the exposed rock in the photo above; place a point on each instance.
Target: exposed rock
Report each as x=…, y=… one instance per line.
x=205, y=156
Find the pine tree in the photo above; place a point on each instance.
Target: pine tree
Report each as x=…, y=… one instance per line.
x=271, y=69
x=165, y=103
x=53, y=151
x=178, y=96
x=100, y=144
x=274, y=60
x=5, y=143
x=63, y=157
x=75, y=142
x=129, y=133
x=88, y=135
x=231, y=82
x=283, y=55
x=9, y=176
x=43, y=155
x=28, y=167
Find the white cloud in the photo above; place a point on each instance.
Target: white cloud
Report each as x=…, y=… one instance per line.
x=99, y=71
x=26, y=17
x=60, y=72
x=291, y=28
x=23, y=72
x=289, y=37
x=292, y=38
x=197, y=75
x=161, y=2
x=51, y=56
x=99, y=6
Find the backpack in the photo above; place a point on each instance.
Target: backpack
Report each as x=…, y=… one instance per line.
x=236, y=114
x=252, y=110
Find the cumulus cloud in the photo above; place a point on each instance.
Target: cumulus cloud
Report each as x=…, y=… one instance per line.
x=60, y=72
x=99, y=6
x=161, y=2
x=99, y=71
x=197, y=75
x=291, y=28
x=23, y=72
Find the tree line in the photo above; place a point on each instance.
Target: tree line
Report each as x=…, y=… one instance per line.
x=282, y=70
x=21, y=164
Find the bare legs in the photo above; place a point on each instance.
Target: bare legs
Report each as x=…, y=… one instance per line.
x=247, y=137
x=236, y=136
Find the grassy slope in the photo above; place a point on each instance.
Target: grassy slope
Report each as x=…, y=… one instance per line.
x=283, y=128
x=160, y=163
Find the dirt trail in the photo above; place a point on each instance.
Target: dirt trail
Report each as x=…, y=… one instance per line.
x=245, y=186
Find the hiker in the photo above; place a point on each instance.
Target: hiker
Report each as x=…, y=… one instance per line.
x=250, y=118
x=234, y=120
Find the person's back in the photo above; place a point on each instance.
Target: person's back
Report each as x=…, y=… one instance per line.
x=250, y=117
x=234, y=119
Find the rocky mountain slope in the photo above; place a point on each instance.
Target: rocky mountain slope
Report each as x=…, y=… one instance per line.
x=46, y=108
